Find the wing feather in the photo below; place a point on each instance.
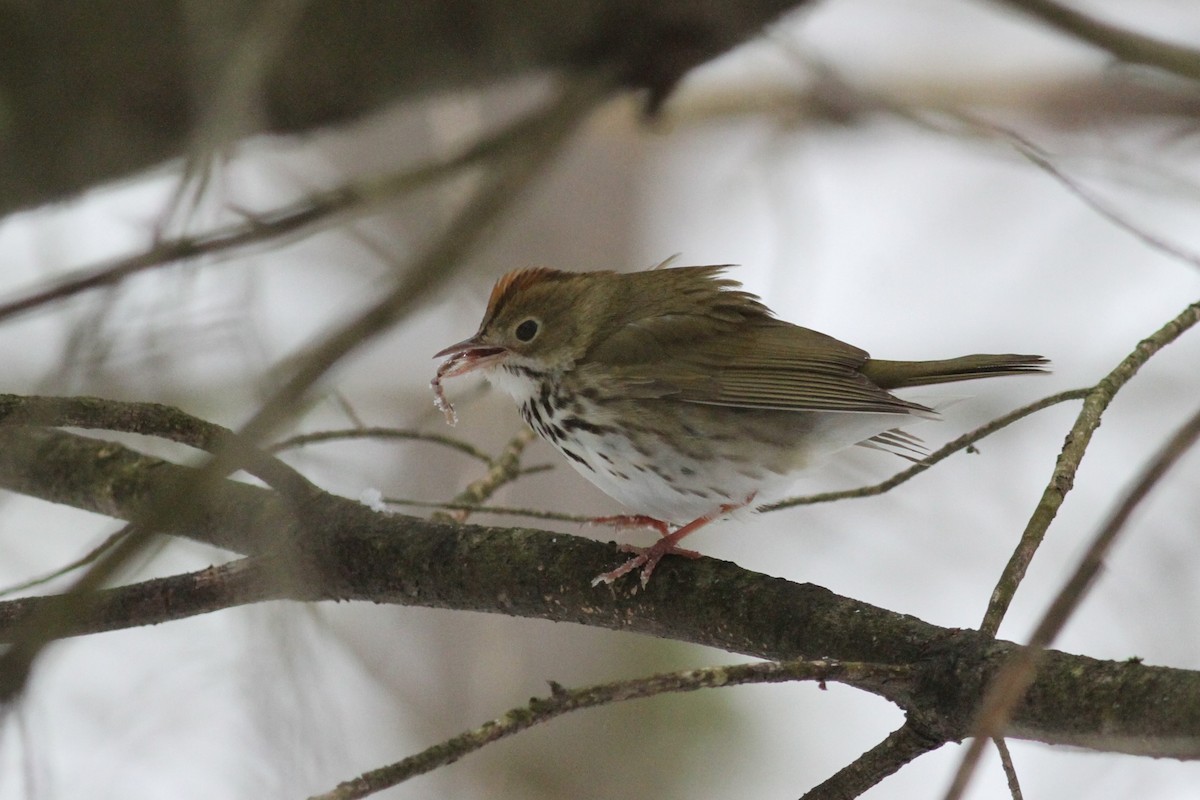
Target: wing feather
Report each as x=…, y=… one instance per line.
x=731, y=352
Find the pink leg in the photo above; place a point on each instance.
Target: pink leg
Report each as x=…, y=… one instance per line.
x=632, y=521
x=648, y=557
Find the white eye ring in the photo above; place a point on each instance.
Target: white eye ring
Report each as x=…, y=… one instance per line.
x=526, y=330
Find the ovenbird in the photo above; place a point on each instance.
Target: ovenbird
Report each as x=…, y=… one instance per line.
x=681, y=395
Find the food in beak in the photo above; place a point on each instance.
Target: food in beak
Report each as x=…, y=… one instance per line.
x=463, y=357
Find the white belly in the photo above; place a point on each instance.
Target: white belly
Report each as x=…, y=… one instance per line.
x=678, y=485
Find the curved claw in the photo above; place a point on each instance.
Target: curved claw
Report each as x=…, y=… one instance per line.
x=647, y=558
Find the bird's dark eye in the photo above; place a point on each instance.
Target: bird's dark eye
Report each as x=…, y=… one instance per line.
x=527, y=330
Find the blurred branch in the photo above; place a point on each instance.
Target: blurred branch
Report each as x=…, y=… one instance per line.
x=345, y=551
x=147, y=603
x=562, y=701
x=150, y=419
x=1123, y=43
x=317, y=437
x=304, y=217
x=102, y=91
x=1013, y=681
x=1042, y=160
x=817, y=93
x=87, y=558
x=1069, y=459
x=548, y=129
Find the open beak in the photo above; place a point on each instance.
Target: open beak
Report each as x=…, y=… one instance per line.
x=467, y=356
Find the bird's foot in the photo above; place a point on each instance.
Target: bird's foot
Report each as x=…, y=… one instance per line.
x=646, y=558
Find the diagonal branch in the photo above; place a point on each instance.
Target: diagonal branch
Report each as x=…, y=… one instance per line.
x=901, y=746
x=1007, y=688
x=1069, y=459
x=304, y=217
x=1123, y=43
x=548, y=130
x=150, y=419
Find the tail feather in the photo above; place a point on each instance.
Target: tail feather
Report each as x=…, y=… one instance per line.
x=899, y=374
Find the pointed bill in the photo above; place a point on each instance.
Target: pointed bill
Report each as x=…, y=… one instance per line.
x=461, y=358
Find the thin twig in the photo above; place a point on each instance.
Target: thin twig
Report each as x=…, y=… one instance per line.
x=1069, y=459
x=505, y=468
x=300, y=440
x=304, y=217
x=532, y=513
x=562, y=701
x=961, y=443
x=1042, y=160
x=87, y=558
x=347, y=408
x=1012, y=681
x=1010, y=771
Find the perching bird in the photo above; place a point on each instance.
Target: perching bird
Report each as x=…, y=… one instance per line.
x=682, y=396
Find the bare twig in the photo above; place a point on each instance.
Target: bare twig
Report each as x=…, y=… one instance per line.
x=943, y=452
x=505, y=468
x=562, y=701
x=348, y=409
x=303, y=439
x=899, y=748
x=1012, y=681
x=1069, y=459
x=1010, y=771
x=532, y=513
x=305, y=217
x=87, y=558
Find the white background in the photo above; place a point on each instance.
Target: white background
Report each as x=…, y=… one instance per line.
x=908, y=242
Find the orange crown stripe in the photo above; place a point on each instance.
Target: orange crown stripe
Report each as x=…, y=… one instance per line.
x=515, y=281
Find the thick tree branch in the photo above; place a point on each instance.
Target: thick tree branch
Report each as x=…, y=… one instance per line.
x=347, y=552
x=101, y=90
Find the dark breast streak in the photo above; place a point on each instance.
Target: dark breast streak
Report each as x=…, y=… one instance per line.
x=544, y=413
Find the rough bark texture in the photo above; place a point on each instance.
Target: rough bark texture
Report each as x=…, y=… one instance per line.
x=343, y=551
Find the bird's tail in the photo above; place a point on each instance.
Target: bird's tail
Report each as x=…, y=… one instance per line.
x=899, y=374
